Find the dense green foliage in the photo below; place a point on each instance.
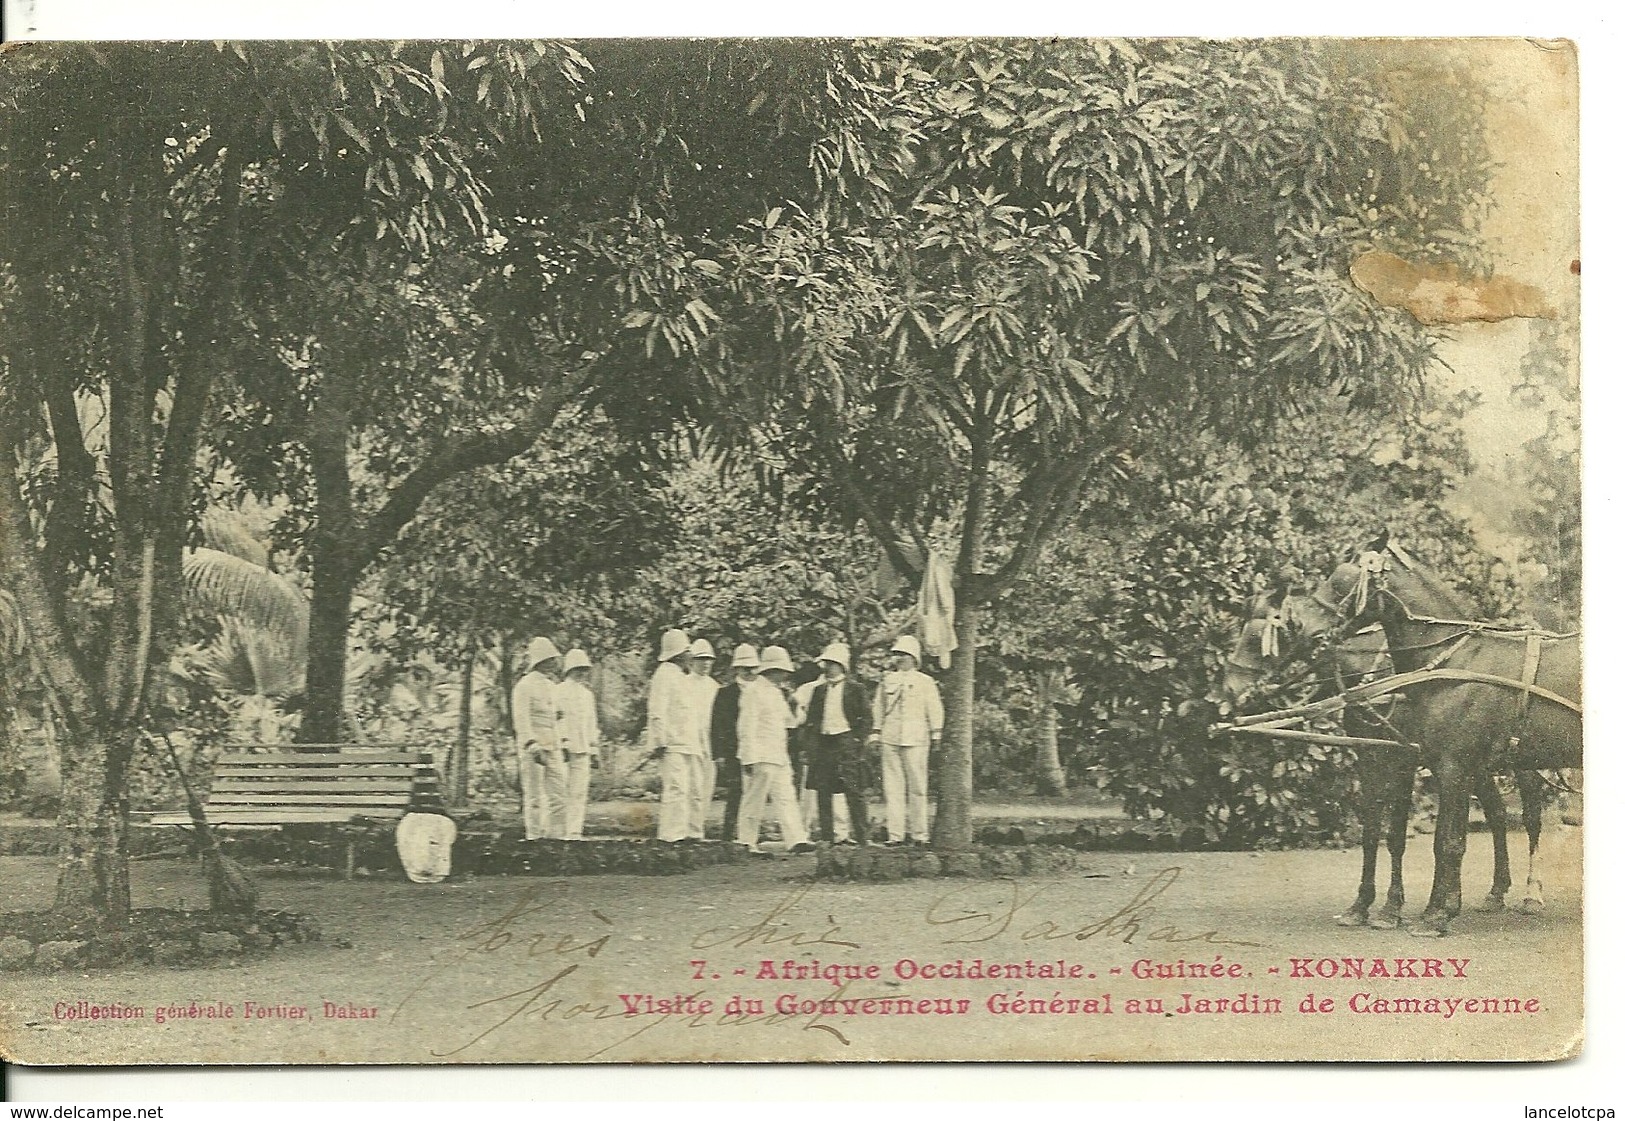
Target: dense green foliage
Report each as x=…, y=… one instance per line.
x=1144, y=620
x=519, y=338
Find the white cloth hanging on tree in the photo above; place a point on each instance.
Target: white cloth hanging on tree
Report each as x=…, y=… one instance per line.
x=937, y=609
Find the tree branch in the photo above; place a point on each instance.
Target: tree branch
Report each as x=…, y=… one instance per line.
x=195, y=379
x=974, y=529
x=72, y=511
x=890, y=540
x=131, y=396
x=456, y=455
x=1044, y=519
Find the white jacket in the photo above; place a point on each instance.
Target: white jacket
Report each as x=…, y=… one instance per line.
x=673, y=711
x=764, y=724
x=801, y=698
x=908, y=709
x=705, y=695
x=578, y=719
x=536, y=710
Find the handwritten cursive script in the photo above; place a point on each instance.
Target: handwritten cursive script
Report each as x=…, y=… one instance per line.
x=984, y=922
x=774, y=929
x=543, y=948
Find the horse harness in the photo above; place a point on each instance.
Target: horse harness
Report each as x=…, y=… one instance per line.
x=1371, y=566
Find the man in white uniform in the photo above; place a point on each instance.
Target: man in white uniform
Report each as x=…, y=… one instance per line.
x=542, y=775
x=908, y=726
x=674, y=736
x=702, y=659
x=578, y=738
x=764, y=752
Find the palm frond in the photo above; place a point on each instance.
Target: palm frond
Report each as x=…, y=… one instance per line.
x=229, y=532
x=248, y=660
x=219, y=583
x=13, y=632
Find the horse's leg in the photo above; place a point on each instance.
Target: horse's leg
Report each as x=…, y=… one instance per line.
x=1449, y=846
x=1495, y=814
x=1401, y=775
x=1371, y=820
x=1532, y=792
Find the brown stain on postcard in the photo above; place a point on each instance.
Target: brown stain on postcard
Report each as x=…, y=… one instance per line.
x=1438, y=294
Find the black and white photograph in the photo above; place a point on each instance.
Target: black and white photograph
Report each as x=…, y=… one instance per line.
x=777, y=550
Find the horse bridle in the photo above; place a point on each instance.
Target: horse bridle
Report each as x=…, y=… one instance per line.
x=1371, y=566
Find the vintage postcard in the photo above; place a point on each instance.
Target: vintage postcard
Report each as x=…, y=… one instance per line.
x=769, y=550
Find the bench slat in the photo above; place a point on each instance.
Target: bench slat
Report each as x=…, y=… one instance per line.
x=320, y=800
x=314, y=785
x=316, y=759
x=274, y=817
x=284, y=745
x=268, y=785
x=378, y=771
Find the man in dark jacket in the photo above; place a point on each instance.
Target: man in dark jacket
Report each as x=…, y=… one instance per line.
x=725, y=736
x=837, y=725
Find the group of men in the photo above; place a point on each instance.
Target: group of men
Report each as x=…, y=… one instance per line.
x=755, y=738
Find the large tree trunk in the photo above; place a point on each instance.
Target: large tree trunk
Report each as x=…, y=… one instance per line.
x=346, y=543
x=953, y=829
x=329, y=653
x=333, y=572
x=93, y=867
x=956, y=782
x=457, y=766
x=12, y=771
x=1051, y=778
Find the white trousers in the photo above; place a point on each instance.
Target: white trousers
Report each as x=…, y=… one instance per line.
x=769, y=784
x=578, y=774
x=542, y=789
x=843, y=816
x=682, y=814
x=902, y=780
x=708, y=789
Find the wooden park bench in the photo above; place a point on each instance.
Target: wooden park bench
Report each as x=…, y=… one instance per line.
x=269, y=786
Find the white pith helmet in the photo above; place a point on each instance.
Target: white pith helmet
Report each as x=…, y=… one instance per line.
x=577, y=659
x=777, y=657
x=700, y=648
x=745, y=657
x=907, y=644
x=673, y=643
x=838, y=653
x=540, y=650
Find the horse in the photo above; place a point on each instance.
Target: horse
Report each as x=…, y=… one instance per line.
x=1385, y=776
x=1479, y=698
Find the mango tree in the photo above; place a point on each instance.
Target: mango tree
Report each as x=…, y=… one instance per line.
x=1091, y=245
x=149, y=221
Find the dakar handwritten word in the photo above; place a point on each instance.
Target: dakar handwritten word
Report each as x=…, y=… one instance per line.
x=982, y=922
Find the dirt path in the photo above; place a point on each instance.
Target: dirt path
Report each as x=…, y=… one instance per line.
x=492, y=970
